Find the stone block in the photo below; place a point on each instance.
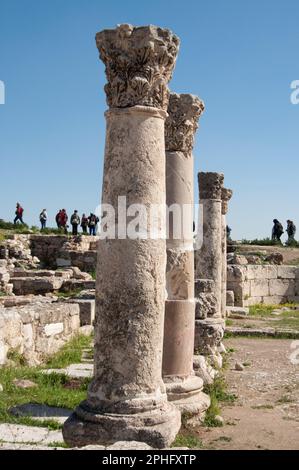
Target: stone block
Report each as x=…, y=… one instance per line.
x=52, y=329
x=259, y=287
x=252, y=301
x=87, y=310
x=282, y=287
x=286, y=272
x=236, y=273
x=275, y=300
x=230, y=298
x=35, y=285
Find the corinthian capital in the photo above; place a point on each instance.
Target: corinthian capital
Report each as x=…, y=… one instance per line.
x=183, y=113
x=226, y=195
x=210, y=185
x=139, y=63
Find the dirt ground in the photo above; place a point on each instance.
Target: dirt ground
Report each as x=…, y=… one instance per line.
x=266, y=412
x=290, y=255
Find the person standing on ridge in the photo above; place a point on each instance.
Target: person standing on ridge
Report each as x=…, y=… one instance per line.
x=75, y=222
x=92, y=223
x=43, y=216
x=84, y=223
x=19, y=214
x=277, y=231
x=291, y=231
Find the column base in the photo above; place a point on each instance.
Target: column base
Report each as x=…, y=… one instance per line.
x=157, y=427
x=187, y=395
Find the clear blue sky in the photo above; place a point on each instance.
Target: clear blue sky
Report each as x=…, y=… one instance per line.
x=239, y=57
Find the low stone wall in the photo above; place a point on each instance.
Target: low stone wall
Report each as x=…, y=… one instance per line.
x=37, y=329
x=266, y=284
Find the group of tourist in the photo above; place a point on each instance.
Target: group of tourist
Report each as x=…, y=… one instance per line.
x=277, y=231
x=87, y=223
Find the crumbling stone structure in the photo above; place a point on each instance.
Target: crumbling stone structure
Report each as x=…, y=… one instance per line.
x=183, y=387
x=226, y=195
x=127, y=399
x=209, y=323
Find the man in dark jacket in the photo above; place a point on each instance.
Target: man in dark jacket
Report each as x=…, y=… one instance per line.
x=277, y=231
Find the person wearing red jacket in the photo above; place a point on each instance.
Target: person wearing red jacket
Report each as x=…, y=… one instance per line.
x=19, y=214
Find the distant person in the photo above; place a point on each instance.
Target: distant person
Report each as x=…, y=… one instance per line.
x=75, y=222
x=228, y=232
x=84, y=223
x=291, y=231
x=92, y=223
x=19, y=214
x=63, y=218
x=43, y=217
x=277, y=231
x=57, y=218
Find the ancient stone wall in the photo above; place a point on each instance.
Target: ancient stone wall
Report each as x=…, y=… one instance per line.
x=267, y=284
x=36, y=329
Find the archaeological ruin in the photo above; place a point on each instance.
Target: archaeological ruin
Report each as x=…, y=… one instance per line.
x=156, y=298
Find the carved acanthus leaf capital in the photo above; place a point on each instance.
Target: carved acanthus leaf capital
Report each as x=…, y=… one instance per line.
x=184, y=111
x=139, y=63
x=210, y=185
x=226, y=195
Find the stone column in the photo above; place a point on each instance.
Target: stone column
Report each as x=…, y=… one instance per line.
x=209, y=324
x=182, y=386
x=127, y=398
x=226, y=195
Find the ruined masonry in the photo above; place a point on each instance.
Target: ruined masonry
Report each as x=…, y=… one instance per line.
x=209, y=327
x=183, y=387
x=127, y=398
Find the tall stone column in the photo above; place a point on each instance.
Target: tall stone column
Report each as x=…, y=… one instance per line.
x=226, y=195
x=183, y=387
x=127, y=398
x=208, y=284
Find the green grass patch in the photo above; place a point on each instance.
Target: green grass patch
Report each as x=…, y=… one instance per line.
x=53, y=389
x=190, y=441
x=68, y=294
x=262, y=242
x=70, y=353
x=58, y=444
x=218, y=394
x=285, y=399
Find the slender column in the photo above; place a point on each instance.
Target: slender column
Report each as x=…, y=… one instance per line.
x=226, y=195
x=209, y=323
x=127, y=399
x=183, y=387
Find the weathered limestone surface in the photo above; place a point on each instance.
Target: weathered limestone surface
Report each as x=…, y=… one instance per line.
x=252, y=284
x=127, y=399
x=36, y=329
x=209, y=325
x=183, y=388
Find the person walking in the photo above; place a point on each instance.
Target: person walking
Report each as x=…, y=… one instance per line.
x=291, y=231
x=92, y=223
x=75, y=222
x=84, y=223
x=277, y=231
x=43, y=216
x=19, y=213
